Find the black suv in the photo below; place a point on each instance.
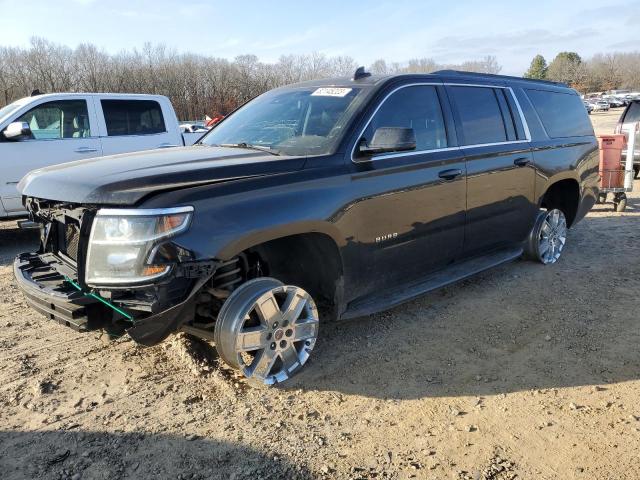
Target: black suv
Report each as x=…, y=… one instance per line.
x=343, y=196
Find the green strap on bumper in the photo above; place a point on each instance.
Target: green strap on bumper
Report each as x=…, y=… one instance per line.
x=99, y=298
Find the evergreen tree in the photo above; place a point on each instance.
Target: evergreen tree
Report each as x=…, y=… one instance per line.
x=537, y=69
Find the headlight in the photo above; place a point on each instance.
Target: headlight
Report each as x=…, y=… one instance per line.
x=121, y=242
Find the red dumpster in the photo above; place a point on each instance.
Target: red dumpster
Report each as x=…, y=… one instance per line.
x=611, y=146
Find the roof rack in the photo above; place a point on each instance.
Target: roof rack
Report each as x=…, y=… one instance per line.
x=491, y=75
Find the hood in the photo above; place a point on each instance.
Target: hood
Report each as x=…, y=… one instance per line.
x=125, y=179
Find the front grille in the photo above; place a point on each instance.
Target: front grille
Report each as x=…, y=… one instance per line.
x=71, y=240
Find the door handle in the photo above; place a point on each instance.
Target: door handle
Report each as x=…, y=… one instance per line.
x=13, y=183
x=167, y=145
x=85, y=150
x=521, y=162
x=450, y=174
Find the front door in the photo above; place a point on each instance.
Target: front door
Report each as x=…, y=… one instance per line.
x=410, y=218
x=61, y=131
x=500, y=171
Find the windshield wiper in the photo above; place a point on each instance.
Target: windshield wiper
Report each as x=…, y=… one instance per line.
x=249, y=146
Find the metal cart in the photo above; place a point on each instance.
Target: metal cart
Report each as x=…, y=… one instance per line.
x=619, y=181
x=613, y=181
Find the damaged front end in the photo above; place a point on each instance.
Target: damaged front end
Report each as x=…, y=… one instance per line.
x=117, y=270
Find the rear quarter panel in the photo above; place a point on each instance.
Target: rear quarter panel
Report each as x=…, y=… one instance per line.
x=556, y=159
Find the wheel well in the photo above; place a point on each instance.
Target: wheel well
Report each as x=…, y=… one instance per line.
x=565, y=196
x=310, y=260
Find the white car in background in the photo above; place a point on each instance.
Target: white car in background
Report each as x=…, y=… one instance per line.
x=44, y=130
x=600, y=106
x=193, y=127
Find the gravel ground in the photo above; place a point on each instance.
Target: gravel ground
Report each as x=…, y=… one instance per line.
x=524, y=372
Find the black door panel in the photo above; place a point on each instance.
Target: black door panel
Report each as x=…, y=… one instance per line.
x=412, y=220
x=500, y=196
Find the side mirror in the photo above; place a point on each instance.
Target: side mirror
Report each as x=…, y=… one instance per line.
x=390, y=139
x=17, y=131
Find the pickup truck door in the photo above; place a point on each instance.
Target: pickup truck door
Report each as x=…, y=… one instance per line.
x=410, y=214
x=500, y=173
x=62, y=130
x=135, y=124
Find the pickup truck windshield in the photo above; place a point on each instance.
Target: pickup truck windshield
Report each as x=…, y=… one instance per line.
x=305, y=121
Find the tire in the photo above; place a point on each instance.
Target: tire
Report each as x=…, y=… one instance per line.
x=621, y=206
x=636, y=172
x=267, y=330
x=548, y=237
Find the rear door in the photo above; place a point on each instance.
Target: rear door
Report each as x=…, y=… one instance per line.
x=499, y=163
x=62, y=131
x=410, y=218
x=134, y=124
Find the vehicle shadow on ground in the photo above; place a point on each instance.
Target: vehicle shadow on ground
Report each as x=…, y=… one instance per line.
x=14, y=240
x=522, y=326
x=99, y=455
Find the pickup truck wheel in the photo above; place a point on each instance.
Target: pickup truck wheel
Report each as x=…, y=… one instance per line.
x=548, y=237
x=267, y=330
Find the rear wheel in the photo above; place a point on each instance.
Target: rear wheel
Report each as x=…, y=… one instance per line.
x=636, y=171
x=548, y=237
x=267, y=330
x=621, y=203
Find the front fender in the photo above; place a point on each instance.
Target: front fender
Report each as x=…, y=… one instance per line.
x=226, y=223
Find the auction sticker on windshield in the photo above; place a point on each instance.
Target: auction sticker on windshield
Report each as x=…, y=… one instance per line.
x=330, y=92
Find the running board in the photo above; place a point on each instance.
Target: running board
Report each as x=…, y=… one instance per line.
x=395, y=296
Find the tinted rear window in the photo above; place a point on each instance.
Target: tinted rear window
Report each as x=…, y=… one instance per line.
x=562, y=114
x=132, y=117
x=633, y=113
x=480, y=115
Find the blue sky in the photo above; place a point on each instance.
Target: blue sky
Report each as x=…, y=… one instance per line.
x=449, y=32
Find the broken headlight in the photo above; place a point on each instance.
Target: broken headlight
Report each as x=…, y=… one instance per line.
x=122, y=240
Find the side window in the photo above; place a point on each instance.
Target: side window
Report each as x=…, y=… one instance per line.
x=132, y=117
x=480, y=115
x=562, y=114
x=416, y=107
x=58, y=119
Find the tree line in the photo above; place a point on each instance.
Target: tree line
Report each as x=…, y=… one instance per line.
x=197, y=85
x=201, y=85
x=602, y=72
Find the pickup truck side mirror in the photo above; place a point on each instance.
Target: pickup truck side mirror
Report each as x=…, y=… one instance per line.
x=17, y=131
x=389, y=139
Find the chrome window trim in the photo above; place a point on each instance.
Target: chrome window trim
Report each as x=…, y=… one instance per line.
x=419, y=152
x=146, y=212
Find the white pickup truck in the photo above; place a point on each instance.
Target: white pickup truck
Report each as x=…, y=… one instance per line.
x=44, y=130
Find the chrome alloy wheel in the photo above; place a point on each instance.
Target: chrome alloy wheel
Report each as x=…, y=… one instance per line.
x=552, y=236
x=267, y=330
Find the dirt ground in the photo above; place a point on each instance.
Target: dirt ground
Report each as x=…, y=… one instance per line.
x=526, y=371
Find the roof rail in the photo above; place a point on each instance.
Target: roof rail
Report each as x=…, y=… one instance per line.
x=360, y=73
x=505, y=77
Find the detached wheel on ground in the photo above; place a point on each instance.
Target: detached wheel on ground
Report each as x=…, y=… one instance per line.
x=267, y=330
x=548, y=237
